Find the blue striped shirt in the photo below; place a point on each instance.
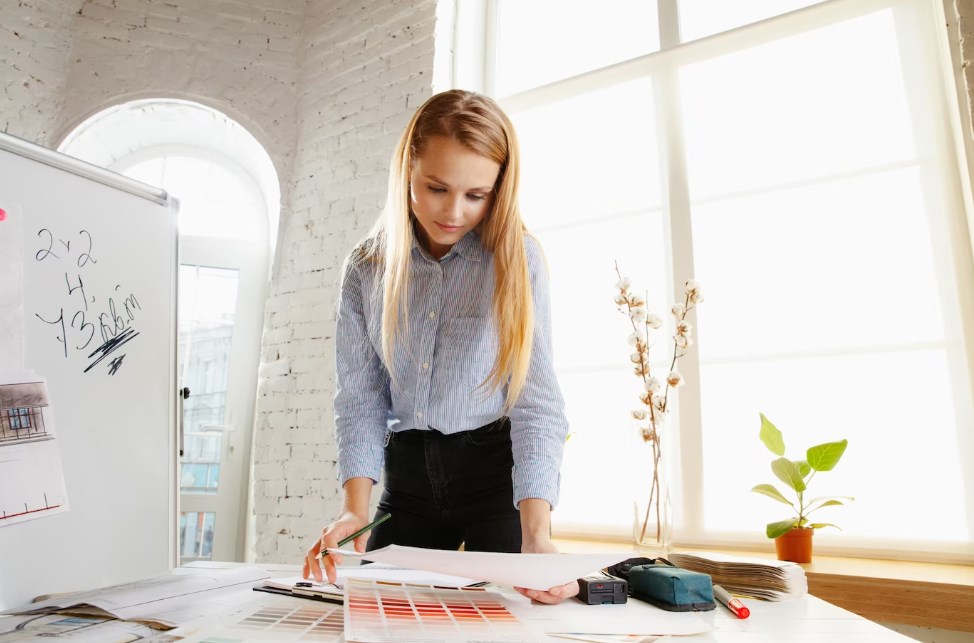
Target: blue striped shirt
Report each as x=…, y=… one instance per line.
x=449, y=349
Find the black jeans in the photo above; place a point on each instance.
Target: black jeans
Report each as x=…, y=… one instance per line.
x=444, y=490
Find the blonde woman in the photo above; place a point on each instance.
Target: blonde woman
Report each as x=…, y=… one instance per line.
x=444, y=367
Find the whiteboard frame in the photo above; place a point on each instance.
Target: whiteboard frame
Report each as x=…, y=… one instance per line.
x=84, y=169
x=63, y=162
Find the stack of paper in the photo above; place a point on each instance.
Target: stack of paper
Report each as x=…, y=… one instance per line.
x=165, y=601
x=772, y=580
x=334, y=593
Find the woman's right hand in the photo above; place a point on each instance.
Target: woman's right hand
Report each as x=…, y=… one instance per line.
x=347, y=524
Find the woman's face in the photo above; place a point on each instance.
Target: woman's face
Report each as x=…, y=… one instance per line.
x=451, y=190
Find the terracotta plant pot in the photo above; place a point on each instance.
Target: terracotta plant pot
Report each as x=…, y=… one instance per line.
x=795, y=546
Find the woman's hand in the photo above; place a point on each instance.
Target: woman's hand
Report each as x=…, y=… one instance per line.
x=347, y=524
x=555, y=594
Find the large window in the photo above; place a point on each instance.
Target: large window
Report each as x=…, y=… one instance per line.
x=804, y=168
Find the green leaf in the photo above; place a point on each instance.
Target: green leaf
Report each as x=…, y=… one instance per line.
x=817, y=525
x=771, y=492
x=803, y=468
x=827, y=503
x=832, y=500
x=825, y=456
x=781, y=527
x=787, y=471
x=771, y=437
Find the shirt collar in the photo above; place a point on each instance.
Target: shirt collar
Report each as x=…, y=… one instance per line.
x=469, y=247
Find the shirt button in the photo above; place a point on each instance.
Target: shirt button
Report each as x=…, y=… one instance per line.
x=426, y=365
x=432, y=315
x=419, y=414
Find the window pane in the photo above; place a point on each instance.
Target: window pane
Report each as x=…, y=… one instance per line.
x=820, y=235
x=196, y=536
x=207, y=305
x=813, y=105
x=149, y=172
x=581, y=262
x=699, y=18
x=213, y=202
x=903, y=463
x=806, y=269
x=542, y=41
x=601, y=441
x=590, y=156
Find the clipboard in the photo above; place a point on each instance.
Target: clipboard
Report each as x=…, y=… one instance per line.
x=314, y=596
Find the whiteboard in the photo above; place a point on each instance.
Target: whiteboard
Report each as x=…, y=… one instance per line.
x=99, y=279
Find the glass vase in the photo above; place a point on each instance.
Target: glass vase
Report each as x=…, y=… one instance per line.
x=652, y=528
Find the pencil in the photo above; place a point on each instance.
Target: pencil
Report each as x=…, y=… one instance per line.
x=372, y=525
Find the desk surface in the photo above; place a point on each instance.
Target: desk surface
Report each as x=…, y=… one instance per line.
x=805, y=620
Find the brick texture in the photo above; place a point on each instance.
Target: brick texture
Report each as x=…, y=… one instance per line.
x=236, y=56
x=366, y=67
x=34, y=44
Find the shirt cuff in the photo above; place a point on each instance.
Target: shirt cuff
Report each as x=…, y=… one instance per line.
x=360, y=458
x=536, y=482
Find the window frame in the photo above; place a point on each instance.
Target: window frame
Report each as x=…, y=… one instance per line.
x=19, y=418
x=663, y=66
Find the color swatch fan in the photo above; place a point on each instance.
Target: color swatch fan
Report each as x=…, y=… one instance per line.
x=386, y=611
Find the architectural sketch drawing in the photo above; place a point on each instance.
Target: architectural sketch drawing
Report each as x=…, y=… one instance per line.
x=22, y=413
x=30, y=459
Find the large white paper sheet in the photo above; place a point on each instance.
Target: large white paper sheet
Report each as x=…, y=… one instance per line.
x=30, y=459
x=533, y=571
x=11, y=287
x=169, y=600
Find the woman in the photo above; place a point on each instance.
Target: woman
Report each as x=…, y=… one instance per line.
x=444, y=367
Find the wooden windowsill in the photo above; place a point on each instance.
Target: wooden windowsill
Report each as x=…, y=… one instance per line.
x=923, y=594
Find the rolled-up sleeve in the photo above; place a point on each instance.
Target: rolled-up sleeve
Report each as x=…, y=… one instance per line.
x=538, y=423
x=362, y=387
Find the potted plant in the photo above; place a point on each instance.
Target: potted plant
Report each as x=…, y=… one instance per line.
x=793, y=536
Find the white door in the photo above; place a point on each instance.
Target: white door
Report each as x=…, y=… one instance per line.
x=220, y=312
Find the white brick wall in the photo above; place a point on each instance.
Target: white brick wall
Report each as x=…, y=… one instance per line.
x=237, y=56
x=34, y=44
x=367, y=67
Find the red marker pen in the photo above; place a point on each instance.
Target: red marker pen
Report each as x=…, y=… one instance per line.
x=733, y=604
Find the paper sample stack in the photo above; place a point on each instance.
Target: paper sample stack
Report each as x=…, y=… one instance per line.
x=301, y=587
x=772, y=580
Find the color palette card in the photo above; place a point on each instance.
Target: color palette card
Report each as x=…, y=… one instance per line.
x=286, y=619
x=384, y=611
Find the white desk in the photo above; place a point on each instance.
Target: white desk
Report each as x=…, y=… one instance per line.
x=806, y=620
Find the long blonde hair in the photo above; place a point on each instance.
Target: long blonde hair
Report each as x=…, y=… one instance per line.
x=479, y=124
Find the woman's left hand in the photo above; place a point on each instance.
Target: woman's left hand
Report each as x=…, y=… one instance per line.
x=556, y=594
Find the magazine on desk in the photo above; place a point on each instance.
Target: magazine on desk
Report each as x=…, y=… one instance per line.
x=772, y=580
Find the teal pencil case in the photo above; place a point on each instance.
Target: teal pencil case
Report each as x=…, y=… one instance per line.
x=672, y=588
